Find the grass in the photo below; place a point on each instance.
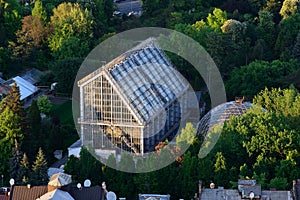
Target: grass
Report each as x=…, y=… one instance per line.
x=64, y=112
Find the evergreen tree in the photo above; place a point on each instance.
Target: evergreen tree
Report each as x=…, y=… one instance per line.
x=15, y=162
x=33, y=139
x=13, y=102
x=39, y=169
x=296, y=50
x=10, y=131
x=24, y=171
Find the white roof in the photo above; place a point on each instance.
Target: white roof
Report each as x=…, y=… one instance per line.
x=54, y=170
x=26, y=88
x=56, y=195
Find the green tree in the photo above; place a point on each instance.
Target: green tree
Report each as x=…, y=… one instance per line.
x=24, y=171
x=296, y=49
x=266, y=29
x=44, y=104
x=111, y=173
x=220, y=162
x=39, y=169
x=33, y=139
x=216, y=19
x=249, y=80
x=69, y=20
x=187, y=136
x=289, y=7
x=15, y=162
x=10, y=131
x=89, y=167
x=39, y=11
x=278, y=183
x=288, y=31
x=64, y=73
x=13, y=102
x=189, y=175
x=10, y=20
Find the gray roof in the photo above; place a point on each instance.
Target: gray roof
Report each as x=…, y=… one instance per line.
x=145, y=78
x=33, y=76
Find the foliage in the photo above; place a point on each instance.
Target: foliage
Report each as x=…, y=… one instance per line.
x=217, y=19
x=39, y=11
x=278, y=183
x=44, y=104
x=24, y=171
x=39, y=170
x=69, y=20
x=187, y=136
x=288, y=30
x=65, y=73
x=289, y=7
x=13, y=102
x=249, y=80
x=86, y=167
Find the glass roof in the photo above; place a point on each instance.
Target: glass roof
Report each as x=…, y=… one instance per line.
x=148, y=80
x=220, y=114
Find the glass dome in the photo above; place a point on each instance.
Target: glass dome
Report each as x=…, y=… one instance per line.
x=220, y=114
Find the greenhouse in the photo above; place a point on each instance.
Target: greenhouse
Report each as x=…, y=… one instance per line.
x=133, y=102
x=221, y=114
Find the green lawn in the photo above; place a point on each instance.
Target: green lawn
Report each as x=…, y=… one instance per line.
x=64, y=112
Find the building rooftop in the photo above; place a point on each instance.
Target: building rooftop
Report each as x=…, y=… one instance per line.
x=26, y=88
x=33, y=76
x=145, y=78
x=27, y=193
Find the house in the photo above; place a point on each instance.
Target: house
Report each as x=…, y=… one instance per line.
x=26, y=88
x=75, y=148
x=32, y=75
x=132, y=102
x=58, y=188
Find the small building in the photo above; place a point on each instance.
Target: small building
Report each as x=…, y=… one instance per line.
x=26, y=88
x=32, y=75
x=75, y=149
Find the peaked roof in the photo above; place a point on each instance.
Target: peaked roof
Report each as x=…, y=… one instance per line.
x=26, y=88
x=4, y=197
x=32, y=75
x=25, y=193
x=60, y=179
x=144, y=78
x=56, y=195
